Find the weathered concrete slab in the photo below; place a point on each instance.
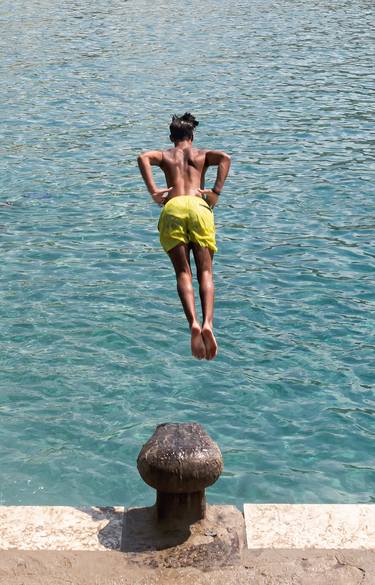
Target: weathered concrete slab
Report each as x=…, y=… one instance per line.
x=60, y=528
x=261, y=567
x=275, y=526
x=310, y=526
x=215, y=541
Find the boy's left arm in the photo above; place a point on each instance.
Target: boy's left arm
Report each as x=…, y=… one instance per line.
x=222, y=160
x=145, y=160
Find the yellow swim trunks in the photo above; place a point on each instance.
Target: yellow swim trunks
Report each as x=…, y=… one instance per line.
x=184, y=219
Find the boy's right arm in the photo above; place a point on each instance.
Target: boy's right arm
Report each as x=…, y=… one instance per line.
x=145, y=160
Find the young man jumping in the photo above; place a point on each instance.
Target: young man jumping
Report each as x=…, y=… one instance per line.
x=187, y=222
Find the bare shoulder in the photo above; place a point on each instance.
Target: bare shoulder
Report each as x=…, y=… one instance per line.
x=155, y=157
x=168, y=152
x=200, y=151
x=215, y=157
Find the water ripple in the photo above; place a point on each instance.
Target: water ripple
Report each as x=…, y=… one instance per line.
x=94, y=347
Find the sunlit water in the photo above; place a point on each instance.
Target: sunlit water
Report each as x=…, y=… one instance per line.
x=94, y=347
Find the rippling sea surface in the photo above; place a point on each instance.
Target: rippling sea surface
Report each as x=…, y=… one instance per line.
x=94, y=348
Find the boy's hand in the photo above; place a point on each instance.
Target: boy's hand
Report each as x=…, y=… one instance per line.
x=159, y=195
x=204, y=191
x=208, y=195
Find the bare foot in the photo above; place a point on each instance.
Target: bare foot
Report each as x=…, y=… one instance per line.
x=198, y=348
x=209, y=342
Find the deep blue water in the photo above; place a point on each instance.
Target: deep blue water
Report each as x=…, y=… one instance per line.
x=94, y=349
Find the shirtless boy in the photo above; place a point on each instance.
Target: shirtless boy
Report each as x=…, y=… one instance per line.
x=187, y=222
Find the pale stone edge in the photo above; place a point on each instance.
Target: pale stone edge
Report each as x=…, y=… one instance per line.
x=268, y=526
x=90, y=528
x=314, y=526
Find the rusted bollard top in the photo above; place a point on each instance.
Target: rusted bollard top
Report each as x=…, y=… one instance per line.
x=180, y=458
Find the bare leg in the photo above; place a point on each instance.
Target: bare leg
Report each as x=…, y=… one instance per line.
x=203, y=259
x=180, y=260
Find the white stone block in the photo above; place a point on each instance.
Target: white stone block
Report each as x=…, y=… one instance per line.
x=322, y=526
x=60, y=528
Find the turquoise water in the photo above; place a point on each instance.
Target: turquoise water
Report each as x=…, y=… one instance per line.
x=94, y=348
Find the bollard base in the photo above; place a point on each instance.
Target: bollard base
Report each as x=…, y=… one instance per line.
x=215, y=541
x=180, y=509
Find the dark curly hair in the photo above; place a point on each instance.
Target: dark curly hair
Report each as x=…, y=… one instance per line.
x=182, y=127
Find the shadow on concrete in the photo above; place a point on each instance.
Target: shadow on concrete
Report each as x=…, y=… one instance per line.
x=135, y=530
x=109, y=536
x=142, y=533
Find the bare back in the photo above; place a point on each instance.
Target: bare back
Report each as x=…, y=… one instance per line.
x=184, y=169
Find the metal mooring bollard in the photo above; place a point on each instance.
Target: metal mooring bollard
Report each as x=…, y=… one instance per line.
x=180, y=461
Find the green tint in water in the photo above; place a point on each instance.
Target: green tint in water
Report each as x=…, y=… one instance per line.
x=94, y=346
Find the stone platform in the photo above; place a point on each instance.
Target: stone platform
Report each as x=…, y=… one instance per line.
x=261, y=567
x=60, y=528
x=215, y=541
x=276, y=526
x=301, y=526
x=287, y=545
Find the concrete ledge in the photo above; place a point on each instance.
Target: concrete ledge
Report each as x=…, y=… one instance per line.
x=60, y=528
x=267, y=567
x=301, y=526
x=275, y=526
x=216, y=540
x=81, y=546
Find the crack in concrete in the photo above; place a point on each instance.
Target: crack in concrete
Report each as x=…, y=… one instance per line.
x=343, y=563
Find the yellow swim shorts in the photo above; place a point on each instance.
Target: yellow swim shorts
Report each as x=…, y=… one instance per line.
x=184, y=219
